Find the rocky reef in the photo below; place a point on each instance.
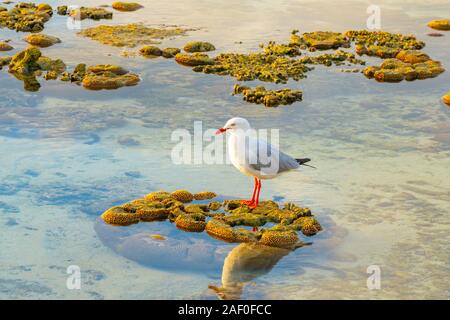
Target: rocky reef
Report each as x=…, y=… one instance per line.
x=83, y=13
x=41, y=40
x=170, y=52
x=130, y=35
x=29, y=64
x=108, y=77
x=198, y=46
x=270, y=98
x=150, y=51
x=195, y=59
x=396, y=70
x=442, y=24
x=4, y=46
x=222, y=220
x=325, y=40
x=26, y=17
x=126, y=6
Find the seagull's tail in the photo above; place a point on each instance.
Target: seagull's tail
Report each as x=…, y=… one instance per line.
x=303, y=162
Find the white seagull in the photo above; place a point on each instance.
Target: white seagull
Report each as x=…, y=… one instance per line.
x=255, y=157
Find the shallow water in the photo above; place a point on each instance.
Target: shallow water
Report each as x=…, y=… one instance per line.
x=381, y=189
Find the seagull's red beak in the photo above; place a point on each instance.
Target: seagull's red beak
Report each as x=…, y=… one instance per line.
x=220, y=130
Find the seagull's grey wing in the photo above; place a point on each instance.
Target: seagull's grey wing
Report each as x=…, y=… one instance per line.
x=263, y=157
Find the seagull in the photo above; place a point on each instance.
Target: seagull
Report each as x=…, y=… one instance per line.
x=256, y=157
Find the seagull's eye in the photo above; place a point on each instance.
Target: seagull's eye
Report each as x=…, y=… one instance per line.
x=232, y=125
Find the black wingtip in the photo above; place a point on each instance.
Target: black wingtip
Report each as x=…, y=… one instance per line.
x=303, y=161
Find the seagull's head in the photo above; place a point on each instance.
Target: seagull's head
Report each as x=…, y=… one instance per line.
x=234, y=124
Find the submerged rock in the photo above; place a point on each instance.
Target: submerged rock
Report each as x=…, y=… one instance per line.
x=130, y=35
x=61, y=10
x=384, y=39
x=395, y=70
x=25, y=62
x=4, y=61
x=281, y=49
x=4, y=46
x=108, y=77
x=41, y=40
x=270, y=98
x=324, y=40
x=195, y=59
x=170, y=52
x=442, y=24
x=26, y=17
x=83, y=13
x=150, y=51
x=198, y=46
x=126, y=6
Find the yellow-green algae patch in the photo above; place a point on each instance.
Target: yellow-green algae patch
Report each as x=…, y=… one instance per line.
x=270, y=98
x=150, y=51
x=395, y=70
x=198, y=46
x=126, y=6
x=41, y=40
x=195, y=59
x=130, y=35
x=223, y=225
x=170, y=52
x=26, y=17
x=4, y=46
x=442, y=24
x=204, y=195
x=324, y=40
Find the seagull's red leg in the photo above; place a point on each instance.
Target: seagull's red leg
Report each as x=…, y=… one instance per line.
x=250, y=202
x=258, y=190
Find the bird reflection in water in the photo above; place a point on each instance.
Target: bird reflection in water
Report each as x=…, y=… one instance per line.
x=246, y=262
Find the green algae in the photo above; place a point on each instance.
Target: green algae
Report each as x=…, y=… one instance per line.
x=83, y=13
x=26, y=17
x=41, y=40
x=170, y=52
x=324, y=40
x=196, y=217
x=108, y=77
x=130, y=35
x=193, y=60
x=198, y=46
x=61, y=10
x=395, y=70
x=270, y=98
x=150, y=51
x=281, y=49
